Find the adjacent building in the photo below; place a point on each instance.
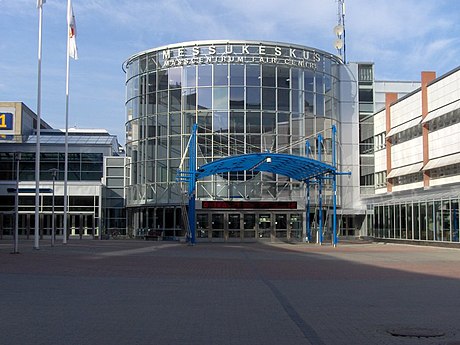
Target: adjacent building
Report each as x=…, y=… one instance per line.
x=417, y=163
x=95, y=199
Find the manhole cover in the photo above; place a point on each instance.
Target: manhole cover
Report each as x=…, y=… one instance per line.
x=415, y=332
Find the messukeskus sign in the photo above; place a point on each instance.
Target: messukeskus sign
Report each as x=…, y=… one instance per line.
x=239, y=53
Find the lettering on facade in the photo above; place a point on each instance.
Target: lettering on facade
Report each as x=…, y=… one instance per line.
x=240, y=54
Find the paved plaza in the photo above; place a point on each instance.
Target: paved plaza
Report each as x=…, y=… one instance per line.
x=138, y=292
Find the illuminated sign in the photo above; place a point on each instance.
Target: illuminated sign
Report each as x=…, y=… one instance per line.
x=259, y=205
x=6, y=121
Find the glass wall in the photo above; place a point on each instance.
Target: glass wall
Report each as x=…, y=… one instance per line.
x=425, y=220
x=245, y=97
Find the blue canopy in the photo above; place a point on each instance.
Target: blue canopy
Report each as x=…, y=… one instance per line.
x=296, y=167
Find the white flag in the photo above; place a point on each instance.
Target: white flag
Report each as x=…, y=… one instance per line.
x=40, y=3
x=72, y=32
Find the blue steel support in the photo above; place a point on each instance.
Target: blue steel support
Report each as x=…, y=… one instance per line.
x=320, y=193
x=308, y=213
x=334, y=188
x=307, y=149
x=192, y=186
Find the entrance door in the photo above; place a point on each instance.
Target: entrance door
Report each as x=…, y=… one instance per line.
x=217, y=226
x=234, y=226
x=281, y=225
x=249, y=226
x=265, y=226
x=295, y=228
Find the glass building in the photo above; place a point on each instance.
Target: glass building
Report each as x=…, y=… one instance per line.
x=95, y=206
x=245, y=97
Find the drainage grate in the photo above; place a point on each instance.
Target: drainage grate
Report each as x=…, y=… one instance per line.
x=415, y=332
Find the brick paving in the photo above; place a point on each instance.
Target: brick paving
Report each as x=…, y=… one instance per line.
x=137, y=292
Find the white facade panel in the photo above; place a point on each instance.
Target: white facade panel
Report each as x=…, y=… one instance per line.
x=406, y=110
x=444, y=141
x=380, y=191
x=444, y=91
x=380, y=160
x=407, y=187
x=409, y=152
x=380, y=122
x=444, y=181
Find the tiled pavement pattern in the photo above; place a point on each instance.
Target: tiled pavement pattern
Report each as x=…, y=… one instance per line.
x=135, y=292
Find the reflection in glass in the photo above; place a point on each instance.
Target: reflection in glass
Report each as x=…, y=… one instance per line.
x=220, y=75
x=204, y=98
x=163, y=80
x=283, y=100
x=309, y=101
x=423, y=233
x=268, y=98
x=309, y=79
x=253, y=122
x=268, y=76
x=252, y=98
x=175, y=78
x=252, y=75
x=430, y=221
x=283, y=77
x=220, y=122
x=236, y=97
x=296, y=77
x=446, y=236
x=220, y=98
x=152, y=82
x=237, y=122
x=189, y=99
x=189, y=76
x=237, y=75
x=175, y=100
x=403, y=221
x=319, y=105
x=204, y=122
x=204, y=75
x=416, y=221
x=454, y=220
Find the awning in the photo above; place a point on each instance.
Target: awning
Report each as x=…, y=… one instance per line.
x=406, y=170
x=296, y=167
x=442, y=161
x=441, y=111
x=404, y=126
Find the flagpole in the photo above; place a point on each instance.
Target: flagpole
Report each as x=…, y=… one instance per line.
x=37, y=152
x=66, y=143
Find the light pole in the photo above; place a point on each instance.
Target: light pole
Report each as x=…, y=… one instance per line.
x=53, y=232
x=17, y=157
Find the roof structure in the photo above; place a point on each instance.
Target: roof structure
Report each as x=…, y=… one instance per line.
x=296, y=167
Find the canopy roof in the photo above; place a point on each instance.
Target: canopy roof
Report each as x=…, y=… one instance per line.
x=296, y=167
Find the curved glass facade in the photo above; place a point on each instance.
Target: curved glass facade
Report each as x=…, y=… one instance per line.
x=245, y=97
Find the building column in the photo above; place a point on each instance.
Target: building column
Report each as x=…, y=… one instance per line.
x=390, y=97
x=427, y=77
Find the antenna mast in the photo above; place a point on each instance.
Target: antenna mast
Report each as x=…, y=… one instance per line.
x=339, y=30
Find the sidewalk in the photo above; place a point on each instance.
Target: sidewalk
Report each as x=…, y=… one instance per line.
x=137, y=292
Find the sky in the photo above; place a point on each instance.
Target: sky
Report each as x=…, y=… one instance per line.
x=402, y=38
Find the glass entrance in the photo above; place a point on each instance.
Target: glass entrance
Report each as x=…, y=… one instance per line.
x=281, y=226
x=249, y=225
x=265, y=226
x=295, y=227
x=234, y=226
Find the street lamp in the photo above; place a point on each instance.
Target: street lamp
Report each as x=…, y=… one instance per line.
x=53, y=171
